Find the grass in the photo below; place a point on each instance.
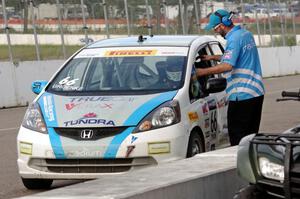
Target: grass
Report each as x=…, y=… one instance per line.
x=28, y=52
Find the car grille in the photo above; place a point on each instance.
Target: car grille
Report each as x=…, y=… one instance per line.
x=98, y=133
x=89, y=165
x=290, y=187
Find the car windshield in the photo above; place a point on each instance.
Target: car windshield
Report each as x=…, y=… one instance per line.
x=114, y=73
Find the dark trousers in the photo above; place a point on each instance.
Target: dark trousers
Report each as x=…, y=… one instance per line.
x=243, y=118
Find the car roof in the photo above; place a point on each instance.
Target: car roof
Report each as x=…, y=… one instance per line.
x=160, y=40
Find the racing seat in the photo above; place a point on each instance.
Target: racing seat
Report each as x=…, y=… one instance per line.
x=161, y=69
x=129, y=68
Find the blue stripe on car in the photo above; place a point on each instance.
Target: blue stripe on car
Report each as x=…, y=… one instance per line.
x=56, y=144
x=134, y=119
x=49, y=115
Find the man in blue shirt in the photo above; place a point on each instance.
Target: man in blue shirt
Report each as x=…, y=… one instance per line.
x=241, y=67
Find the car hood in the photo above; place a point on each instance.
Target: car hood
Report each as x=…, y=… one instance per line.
x=98, y=111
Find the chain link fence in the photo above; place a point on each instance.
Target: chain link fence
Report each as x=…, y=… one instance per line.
x=51, y=23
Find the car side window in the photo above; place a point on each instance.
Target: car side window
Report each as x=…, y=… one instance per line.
x=204, y=50
x=216, y=49
x=195, y=89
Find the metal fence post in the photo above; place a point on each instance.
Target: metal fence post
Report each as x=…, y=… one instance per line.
x=282, y=26
x=34, y=32
x=294, y=24
x=166, y=16
x=182, y=17
x=58, y=8
x=270, y=23
x=106, y=19
x=243, y=14
x=148, y=18
x=197, y=16
x=257, y=24
x=7, y=31
x=84, y=23
x=127, y=17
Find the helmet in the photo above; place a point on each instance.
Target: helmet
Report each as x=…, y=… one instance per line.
x=174, y=68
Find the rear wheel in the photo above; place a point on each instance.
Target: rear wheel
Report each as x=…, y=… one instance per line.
x=195, y=145
x=37, y=183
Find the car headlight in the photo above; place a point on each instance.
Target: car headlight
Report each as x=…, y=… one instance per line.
x=165, y=115
x=33, y=119
x=270, y=169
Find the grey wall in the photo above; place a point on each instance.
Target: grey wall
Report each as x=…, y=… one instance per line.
x=15, y=80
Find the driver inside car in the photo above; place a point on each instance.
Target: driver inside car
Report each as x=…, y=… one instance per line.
x=174, y=71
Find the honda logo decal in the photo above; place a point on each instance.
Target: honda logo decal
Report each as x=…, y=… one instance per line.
x=86, y=134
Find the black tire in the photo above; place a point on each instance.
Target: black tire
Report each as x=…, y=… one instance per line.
x=195, y=145
x=37, y=183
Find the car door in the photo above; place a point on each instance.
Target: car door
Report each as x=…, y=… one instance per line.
x=218, y=104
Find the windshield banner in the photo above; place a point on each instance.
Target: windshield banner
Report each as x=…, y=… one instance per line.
x=133, y=52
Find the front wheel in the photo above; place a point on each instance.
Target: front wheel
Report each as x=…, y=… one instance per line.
x=195, y=145
x=37, y=183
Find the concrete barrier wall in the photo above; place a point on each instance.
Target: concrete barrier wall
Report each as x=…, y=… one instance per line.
x=209, y=175
x=15, y=80
x=76, y=39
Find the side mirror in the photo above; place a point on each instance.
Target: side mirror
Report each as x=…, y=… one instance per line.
x=215, y=85
x=38, y=86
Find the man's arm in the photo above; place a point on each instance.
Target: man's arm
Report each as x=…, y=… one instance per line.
x=211, y=57
x=220, y=68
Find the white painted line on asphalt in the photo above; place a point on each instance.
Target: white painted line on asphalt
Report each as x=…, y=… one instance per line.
x=9, y=129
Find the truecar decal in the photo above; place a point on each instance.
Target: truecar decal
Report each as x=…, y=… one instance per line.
x=100, y=98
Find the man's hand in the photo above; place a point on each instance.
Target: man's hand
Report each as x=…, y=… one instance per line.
x=210, y=57
x=220, y=68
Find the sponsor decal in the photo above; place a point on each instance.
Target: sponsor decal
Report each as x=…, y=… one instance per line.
x=129, y=150
x=48, y=108
x=221, y=103
x=158, y=147
x=133, y=138
x=89, y=115
x=25, y=148
x=249, y=46
x=67, y=88
x=127, y=53
x=193, y=116
x=213, y=135
x=207, y=134
x=212, y=104
x=101, y=99
x=205, y=108
x=71, y=106
x=206, y=123
x=227, y=54
x=90, y=121
x=90, y=118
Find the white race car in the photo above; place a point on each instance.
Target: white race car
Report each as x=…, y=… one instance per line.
x=121, y=104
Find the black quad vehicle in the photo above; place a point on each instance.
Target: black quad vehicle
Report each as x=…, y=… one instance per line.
x=271, y=162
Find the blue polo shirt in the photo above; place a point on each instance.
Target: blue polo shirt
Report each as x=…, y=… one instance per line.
x=245, y=79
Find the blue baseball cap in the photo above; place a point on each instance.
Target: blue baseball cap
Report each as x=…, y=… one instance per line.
x=214, y=19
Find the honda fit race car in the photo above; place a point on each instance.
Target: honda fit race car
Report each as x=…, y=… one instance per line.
x=121, y=104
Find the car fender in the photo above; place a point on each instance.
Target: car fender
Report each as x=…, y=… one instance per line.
x=244, y=166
